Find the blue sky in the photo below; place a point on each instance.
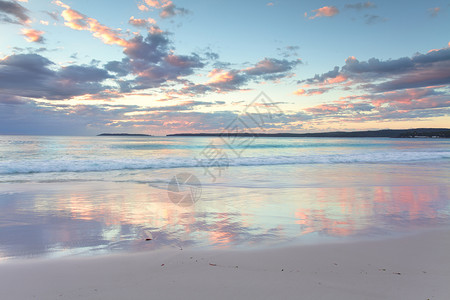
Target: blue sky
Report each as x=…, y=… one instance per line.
x=159, y=66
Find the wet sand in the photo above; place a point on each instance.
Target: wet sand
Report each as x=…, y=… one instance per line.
x=413, y=267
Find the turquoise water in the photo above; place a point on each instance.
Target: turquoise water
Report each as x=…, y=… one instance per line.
x=97, y=195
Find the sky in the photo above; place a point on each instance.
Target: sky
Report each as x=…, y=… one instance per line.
x=160, y=67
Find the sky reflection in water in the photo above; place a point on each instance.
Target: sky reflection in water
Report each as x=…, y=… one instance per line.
x=248, y=207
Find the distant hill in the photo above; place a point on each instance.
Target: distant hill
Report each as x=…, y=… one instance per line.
x=392, y=133
x=123, y=134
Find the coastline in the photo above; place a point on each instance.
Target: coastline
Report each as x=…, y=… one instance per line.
x=413, y=267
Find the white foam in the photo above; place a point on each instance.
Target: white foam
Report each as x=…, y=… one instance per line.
x=98, y=165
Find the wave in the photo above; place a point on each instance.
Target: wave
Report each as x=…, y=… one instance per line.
x=112, y=164
x=147, y=146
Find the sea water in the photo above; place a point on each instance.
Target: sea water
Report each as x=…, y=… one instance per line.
x=64, y=196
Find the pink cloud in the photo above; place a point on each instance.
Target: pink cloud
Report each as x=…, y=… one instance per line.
x=155, y=30
x=158, y=4
x=421, y=77
x=324, y=108
x=78, y=21
x=270, y=65
x=106, y=34
x=141, y=22
x=177, y=61
x=326, y=11
x=32, y=35
x=153, y=3
x=409, y=97
x=319, y=91
x=142, y=7
x=434, y=11
x=299, y=92
x=338, y=79
x=395, y=105
x=220, y=76
x=167, y=7
x=74, y=19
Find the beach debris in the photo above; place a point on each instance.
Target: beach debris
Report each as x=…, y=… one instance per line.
x=214, y=265
x=282, y=270
x=162, y=265
x=397, y=273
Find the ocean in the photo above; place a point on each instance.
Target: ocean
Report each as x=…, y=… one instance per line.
x=69, y=196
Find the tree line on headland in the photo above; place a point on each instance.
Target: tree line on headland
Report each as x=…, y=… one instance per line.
x=391, y=133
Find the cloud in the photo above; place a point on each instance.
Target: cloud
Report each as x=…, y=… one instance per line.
x=32, y=35
x=271, y=66
x=299, y=92
x=121, y=68
x=60, y=119
x=323, y=77
x=398, y=105
x=361, y=5
x=373, y=19
x=53, y=15
x=76, y=20
x=220, y=81
x=26, y=117
x=149, y=58
x=77, y=74
x=34, y=76
x=13, y=12
x=155, y=3
x=434, y=11
x=406, y=88
x=288, y=51
x=326, y=11
x=149, y=62
x=171, y=10
x=420, y=70
x=11, y=99
x=310, y=92
x=374, y=65
x=368, y=18
x=142, y=7
x=438, y=74
x=153, y=63
x=384, y=78
x=223, y=81
x=141, y=22
x=151, y=49
x=226, y=80
x=167, y=7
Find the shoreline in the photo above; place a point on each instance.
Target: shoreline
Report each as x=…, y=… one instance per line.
x=412, y=267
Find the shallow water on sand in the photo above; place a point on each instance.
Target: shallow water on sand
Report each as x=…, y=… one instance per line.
x=86, y=196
